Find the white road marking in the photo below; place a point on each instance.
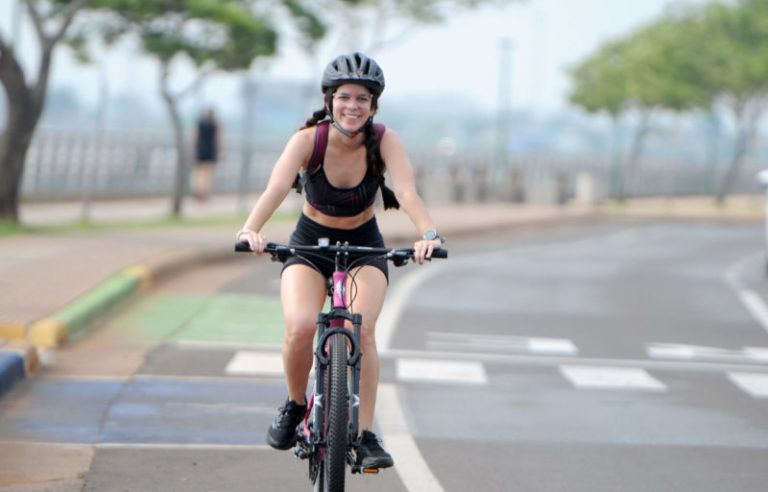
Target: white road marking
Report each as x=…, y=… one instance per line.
x=551, y=346
x=753, y=383
x=409, y=463
x=691, y=352
x=551, y=360
x=751, y=300
x=441, y=371
x=611, y=378
x=255, y=363
x=504, y=343
x=191, y=446
x=755, y=305
x=397, y=297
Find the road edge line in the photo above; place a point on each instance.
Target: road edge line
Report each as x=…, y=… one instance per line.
x=411, y=466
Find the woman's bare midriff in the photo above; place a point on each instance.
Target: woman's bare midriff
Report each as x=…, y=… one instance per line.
x=338, y=222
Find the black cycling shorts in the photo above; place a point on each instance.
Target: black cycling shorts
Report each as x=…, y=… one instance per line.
x=308, y=231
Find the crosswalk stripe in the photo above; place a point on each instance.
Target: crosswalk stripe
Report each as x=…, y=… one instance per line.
x=255, y=363
x=611, y=378
x=676, y=351
x=496, y=343
x=753, y=383
x=441, y=371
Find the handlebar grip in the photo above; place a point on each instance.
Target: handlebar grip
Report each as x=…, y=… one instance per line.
x=440, y=253
x=242, y=247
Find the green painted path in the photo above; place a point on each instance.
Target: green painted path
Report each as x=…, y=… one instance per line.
x=222, y=318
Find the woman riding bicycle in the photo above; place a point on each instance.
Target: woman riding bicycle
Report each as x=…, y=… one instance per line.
x=339, y=158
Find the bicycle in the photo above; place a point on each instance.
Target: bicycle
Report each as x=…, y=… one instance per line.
x=329, y=434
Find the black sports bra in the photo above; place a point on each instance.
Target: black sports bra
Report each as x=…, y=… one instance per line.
x=328, y=199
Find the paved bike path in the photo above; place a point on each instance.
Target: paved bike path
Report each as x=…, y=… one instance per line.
x=56, y=284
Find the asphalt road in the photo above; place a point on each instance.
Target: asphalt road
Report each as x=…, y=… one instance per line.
x=612, y=356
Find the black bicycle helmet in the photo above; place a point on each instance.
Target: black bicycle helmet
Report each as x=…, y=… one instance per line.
x=356, y=68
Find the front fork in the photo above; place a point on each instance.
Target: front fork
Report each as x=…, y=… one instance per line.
x=312, y=439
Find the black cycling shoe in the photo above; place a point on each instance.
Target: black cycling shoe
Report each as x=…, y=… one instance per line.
x=370, y=454
x=282, y=434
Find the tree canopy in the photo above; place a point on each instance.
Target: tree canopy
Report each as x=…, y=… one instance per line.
x=709, y=57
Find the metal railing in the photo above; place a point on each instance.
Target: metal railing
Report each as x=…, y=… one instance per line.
x=68, y=165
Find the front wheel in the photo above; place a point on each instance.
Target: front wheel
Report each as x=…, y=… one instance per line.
x=337, y=416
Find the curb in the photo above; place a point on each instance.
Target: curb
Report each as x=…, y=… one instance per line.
x=19, y=357
x=17, y=361
x=74, y=318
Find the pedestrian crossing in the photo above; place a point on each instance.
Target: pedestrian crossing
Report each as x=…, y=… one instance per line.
x=462, y=359
x=474, y=373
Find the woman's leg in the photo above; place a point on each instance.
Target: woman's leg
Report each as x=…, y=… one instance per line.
x=203, y=179
x=367, y=294
x=302, y=292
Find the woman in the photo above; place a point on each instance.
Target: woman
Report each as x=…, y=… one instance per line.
x=340, y=193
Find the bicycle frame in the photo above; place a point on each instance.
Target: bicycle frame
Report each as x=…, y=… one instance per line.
x=329, y=324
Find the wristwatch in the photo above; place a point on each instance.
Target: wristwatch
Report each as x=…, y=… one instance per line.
x=432, y=234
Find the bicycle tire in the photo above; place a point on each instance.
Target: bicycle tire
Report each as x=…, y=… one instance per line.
x=337, y=416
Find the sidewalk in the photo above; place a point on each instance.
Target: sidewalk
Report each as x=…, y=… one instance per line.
x=55, y=283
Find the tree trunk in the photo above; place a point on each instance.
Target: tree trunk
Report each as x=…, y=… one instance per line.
x=25, y=104
x=633, y=160
x=742, y=144
x=181, y=155
x=23, y=112
x=14, y=144
x=745, y=135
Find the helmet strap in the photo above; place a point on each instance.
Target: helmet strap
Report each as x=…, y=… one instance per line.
x=350, y=134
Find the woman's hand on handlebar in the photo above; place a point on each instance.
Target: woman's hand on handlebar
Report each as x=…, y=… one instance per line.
x=255, y=240
x=423, y=249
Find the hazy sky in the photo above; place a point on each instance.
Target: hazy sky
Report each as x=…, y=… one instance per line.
x=460, y=57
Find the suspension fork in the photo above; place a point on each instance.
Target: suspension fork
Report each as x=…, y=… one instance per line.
x=354, y=362
x=329, y=324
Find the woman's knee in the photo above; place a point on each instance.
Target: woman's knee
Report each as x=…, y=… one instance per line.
x=299, y=330
x=368, y=334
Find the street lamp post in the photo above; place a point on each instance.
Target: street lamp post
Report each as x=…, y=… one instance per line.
x=503, y=107
x=762, y=179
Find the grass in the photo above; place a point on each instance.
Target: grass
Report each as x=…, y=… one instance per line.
x=744, y=207
x=10, y=228
x=230, y=220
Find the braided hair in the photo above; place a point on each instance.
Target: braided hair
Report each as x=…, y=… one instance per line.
x=374, y=162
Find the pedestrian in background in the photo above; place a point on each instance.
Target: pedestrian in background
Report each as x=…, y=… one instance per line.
x=206, y=154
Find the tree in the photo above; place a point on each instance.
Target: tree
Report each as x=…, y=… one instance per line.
x=654, y=58
x=705, y=57
x=367, y=24
x=737, y=75
x=212, y=34
x=640, y=73
x=26, y=96
x=599, y=85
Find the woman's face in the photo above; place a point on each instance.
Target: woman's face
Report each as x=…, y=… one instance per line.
x=352, y=106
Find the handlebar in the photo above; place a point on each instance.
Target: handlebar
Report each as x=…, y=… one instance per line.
x=281, y=252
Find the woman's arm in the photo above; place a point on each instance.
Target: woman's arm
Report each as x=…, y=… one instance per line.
x=404, y=186
x=295, y=155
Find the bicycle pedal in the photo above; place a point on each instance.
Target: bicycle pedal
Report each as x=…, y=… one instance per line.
x=361, y=469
